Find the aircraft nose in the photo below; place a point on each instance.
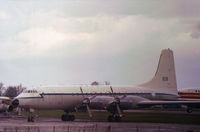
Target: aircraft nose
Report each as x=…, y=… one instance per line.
x=15, y=102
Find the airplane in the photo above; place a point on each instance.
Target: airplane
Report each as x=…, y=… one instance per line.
x=189, y=93
x=160, y=90
x=5, y=104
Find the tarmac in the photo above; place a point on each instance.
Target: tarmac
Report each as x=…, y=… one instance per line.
x=20, y=124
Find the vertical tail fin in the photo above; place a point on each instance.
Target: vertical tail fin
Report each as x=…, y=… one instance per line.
x=165, y=77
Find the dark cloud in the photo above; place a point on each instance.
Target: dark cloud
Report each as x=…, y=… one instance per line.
x=195, y=34
x=128, y=35
x=198, y=27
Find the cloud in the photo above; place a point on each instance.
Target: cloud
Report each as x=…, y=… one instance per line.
x=195, y=34
x=112, y=34
x=40, y=40
x=196, y=31
x=102, y=40
x=3, y=15
x=52, y=34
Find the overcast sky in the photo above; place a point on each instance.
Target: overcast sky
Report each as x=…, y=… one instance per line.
x=79, y=41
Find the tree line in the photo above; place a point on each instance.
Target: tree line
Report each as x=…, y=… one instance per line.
x=10, y=91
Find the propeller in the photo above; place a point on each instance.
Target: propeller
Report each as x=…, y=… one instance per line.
x=15, y=103
x=89, y=111
x=117, y=102
x=86, y=101
x=118, y=109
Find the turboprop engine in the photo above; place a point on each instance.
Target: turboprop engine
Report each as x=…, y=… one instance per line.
x=100, y=102
x=5, y=107
x=130, y=102
x=6, y=104
x=95, y=102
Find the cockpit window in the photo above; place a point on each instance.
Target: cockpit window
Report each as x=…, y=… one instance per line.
x=30, y=91
x=34, y=91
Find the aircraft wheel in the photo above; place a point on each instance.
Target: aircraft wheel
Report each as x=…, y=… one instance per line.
x=71, y=117
x=189, y=110
x=30, y=119
x=68, y=118
x=117, y=118
x=64, y=118
x=110, y=118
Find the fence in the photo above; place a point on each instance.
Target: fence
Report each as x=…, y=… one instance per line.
x=96, y=128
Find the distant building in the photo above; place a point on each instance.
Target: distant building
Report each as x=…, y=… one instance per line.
x=95, y=83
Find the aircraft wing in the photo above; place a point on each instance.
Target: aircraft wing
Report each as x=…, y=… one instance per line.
x=5, y=100
x=181, y=102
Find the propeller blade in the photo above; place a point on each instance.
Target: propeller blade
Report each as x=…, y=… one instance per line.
x=15, y=103
x=86, y=101
x=88, y=110
x=118, y=110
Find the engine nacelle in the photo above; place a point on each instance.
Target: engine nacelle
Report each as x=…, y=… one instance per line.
x=101, y=102
x=5, y=107
x=15, y=103
x=10, y=108
x=130, y=102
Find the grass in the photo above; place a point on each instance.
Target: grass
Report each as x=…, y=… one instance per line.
x=132, y=117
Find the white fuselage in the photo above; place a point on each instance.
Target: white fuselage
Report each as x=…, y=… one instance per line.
x=68, y=97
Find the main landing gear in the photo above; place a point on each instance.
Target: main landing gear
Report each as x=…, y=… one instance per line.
x=30, y=115
x=116, y=112
x=67, y=117
x=189, y=110
x=30, y=119
x=114, y=118
x=116, y=115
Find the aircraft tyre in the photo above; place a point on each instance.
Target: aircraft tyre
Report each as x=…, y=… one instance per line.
x=112, y=118
x=67, y=117
x=71, y=117
x=189, y=110
x=117, y=118
x=30, y=119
